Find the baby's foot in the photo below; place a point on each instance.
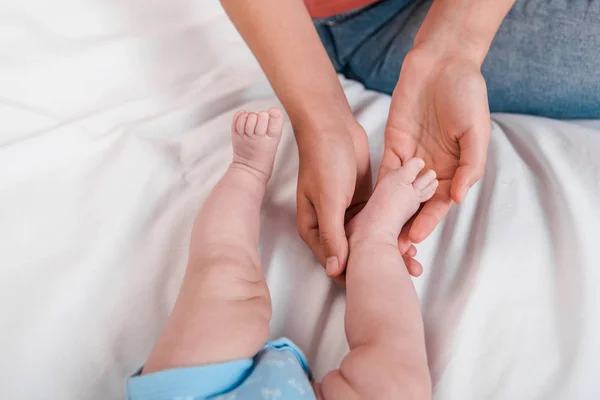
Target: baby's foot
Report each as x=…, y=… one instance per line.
x=255, y=138
x=395, y=200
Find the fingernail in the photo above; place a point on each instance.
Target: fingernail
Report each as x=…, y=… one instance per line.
x=331, y=266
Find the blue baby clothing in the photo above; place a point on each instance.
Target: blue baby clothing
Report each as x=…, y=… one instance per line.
x=278, y=371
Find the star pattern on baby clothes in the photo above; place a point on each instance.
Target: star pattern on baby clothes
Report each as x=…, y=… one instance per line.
x=270, y=394
x=296, y=385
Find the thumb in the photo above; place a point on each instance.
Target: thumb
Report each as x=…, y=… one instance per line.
x=330, y=216
x=471, y=166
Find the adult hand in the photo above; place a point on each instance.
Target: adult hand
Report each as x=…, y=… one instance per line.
x=439, y=112
x=334, y=184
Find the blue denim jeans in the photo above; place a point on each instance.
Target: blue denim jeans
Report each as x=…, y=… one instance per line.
x=544, y=60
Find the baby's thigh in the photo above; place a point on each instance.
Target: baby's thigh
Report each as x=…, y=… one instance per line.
x=225, y=272
x=234, y=295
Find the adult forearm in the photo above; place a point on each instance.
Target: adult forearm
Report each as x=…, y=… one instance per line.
x=462, y=27
x=283, y=39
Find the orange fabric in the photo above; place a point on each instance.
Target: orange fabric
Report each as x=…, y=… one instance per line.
x=327, y=8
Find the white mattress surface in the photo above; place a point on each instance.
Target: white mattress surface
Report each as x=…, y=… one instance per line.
x=114, y=126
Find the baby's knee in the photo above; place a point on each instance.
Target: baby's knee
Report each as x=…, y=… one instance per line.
x=232, y=286
x=247, y=320
x=231, y=274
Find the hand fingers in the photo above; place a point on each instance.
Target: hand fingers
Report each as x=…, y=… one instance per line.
x=308, y=226
x=341, y=279
x=431, y=214
x=471, y=166
x=413, y=266
x=403, y=242
x=330, y=215
x=409, y=251
x=309, y=230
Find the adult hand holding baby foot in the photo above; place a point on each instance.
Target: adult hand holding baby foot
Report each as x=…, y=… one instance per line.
x=439, y=112
x=334, y=183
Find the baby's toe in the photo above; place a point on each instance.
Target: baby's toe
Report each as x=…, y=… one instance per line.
x=424, y=180
x=406, y=174
x=234, y=121
x=275, y=122
x=240, y=122
x=425, y=185
x=251, y=124
x=262, y=123
x=428, y=191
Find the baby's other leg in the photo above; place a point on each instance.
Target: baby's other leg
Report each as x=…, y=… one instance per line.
x=223, y=309
x=384, y=326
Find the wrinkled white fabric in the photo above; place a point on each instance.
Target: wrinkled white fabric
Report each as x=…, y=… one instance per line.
x=114, y=126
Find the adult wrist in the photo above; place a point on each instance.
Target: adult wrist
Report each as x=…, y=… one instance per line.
x=461, y=28
x=324, y=121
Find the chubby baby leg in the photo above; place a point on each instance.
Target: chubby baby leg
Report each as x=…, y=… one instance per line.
x=224, y=308
x=384, y=326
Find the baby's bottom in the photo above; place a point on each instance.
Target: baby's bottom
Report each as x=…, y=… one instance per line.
x=223, y=310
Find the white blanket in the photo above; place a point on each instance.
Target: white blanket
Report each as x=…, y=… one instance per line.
x=114, y=126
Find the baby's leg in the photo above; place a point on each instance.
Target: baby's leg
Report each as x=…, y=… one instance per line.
x=223, y=309
x=384, y=326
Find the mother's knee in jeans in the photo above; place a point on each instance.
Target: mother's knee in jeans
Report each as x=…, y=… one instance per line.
x=370, y=45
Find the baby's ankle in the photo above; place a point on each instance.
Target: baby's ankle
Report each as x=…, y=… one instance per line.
x=247, y=169
x=372, y=237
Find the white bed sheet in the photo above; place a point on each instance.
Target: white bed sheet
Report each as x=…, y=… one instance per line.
x=114, y=119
